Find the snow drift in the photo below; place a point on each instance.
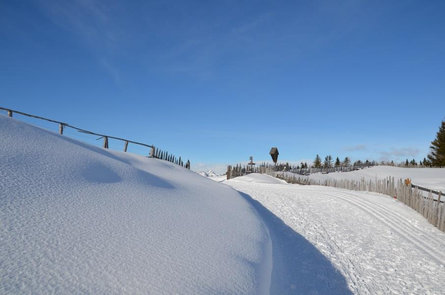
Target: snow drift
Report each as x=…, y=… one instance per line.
x=75, y=218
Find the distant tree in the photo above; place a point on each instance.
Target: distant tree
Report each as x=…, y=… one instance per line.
x=317, y=162
x=358, y=163
x=406, y=163
x=437, y=148
x=367, y=163
x=346, y=162
x=327, y=161
x=337, y=162
x=392, y=163
x=413, y=162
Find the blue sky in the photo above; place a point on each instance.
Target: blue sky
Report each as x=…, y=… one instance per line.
x=219, y=81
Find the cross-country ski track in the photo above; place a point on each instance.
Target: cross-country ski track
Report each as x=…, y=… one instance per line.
x=379, y=245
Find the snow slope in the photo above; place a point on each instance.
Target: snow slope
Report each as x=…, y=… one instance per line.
x=433, y=178
x=374, y=243
x=75, y=218
x=209, y=173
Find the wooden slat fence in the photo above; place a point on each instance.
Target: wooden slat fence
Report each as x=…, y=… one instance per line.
x=154, y=152
x=427, y=202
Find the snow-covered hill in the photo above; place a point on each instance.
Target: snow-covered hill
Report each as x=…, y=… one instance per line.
x=433, y=178
x=75, y=218
x=209, y=173
x=375, y=243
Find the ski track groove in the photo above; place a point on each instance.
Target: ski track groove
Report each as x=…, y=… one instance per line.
x=403, y=233
x=401, y=218
x=349, y=266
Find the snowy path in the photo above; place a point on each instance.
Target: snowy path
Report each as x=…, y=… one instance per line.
x=378, y=245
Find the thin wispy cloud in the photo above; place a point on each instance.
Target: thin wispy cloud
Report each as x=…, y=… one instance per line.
x=355, y=148
x=398, y=153
x=92, y=23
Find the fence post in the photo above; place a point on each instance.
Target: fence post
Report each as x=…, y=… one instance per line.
x=437, y=221
x=125, y=146
x=9, y=113
x=105, y=142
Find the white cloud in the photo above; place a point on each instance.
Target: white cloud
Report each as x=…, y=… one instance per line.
x=398, y=153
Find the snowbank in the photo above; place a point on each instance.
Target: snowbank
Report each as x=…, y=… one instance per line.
x=75, y=218
x=433, y=178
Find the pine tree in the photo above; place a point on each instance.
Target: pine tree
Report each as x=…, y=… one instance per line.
x=317, y=162
x=346, y=162
x=337, y=162
x=328, y=161
x=437, y=152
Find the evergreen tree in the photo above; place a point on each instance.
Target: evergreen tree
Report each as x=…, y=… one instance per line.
x=437, y=152
x=328, y=161
x=317, y=162
x=406, y=163
x=346, y=162
x=337, y=162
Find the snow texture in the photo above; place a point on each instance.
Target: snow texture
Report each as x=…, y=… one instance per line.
x=432, y=178
x=334, y=241
x=75, y=218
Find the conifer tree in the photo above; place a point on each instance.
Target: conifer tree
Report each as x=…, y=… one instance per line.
x=437, y=148
x=337, y=162
x=317, y=162
x=328, y=161
x=346, y=162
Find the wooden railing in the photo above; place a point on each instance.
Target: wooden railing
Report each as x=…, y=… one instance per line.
x=154, y=152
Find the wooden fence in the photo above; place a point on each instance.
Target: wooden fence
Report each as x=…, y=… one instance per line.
x=154, y=152
x=427, y=202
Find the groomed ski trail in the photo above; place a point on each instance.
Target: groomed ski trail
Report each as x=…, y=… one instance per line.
x=379, y=245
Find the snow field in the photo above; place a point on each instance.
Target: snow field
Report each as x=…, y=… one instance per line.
x=379, y=245
x=75, y=218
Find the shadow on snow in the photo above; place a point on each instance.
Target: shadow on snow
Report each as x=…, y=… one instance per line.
x=298, y=267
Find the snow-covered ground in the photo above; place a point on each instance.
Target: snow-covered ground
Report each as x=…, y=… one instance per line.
x=432, y=178
x=75, y=218
x=323, y=236
x=79, y=219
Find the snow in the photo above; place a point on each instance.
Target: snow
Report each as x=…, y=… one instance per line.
x=209, y=173
x=334, y=241
x=432, y=178
x=75, y=218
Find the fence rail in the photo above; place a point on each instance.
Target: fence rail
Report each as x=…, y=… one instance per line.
x=154, y=152
x=430, y=206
